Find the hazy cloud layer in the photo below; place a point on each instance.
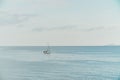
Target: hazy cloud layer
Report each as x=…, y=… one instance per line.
x=12, y=19
x=94, y=28
x=32, y=6
x=33, y=21
x=75, y=27
x=55, y=28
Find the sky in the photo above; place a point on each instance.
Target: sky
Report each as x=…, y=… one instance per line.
x=59, y=22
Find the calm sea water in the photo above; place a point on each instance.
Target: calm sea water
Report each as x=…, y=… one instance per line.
x=64, y=63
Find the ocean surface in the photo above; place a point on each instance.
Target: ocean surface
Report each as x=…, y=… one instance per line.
x=64, y=63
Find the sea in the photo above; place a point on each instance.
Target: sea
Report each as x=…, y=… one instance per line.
x=64, y=63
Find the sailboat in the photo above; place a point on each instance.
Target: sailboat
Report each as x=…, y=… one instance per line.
x=47, y=50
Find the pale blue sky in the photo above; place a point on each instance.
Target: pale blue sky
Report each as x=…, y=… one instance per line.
x=59, y=22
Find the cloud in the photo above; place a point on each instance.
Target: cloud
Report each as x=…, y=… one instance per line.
x=111, y=44
x=76, y=27
x=14, y=12
x=12, y=19
x=64, y=27
x=107, y=27
x=32, y=6
x=94, y=28
x=79, y=27
x=55, y=28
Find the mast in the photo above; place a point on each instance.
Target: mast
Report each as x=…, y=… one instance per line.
x=48, y=49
